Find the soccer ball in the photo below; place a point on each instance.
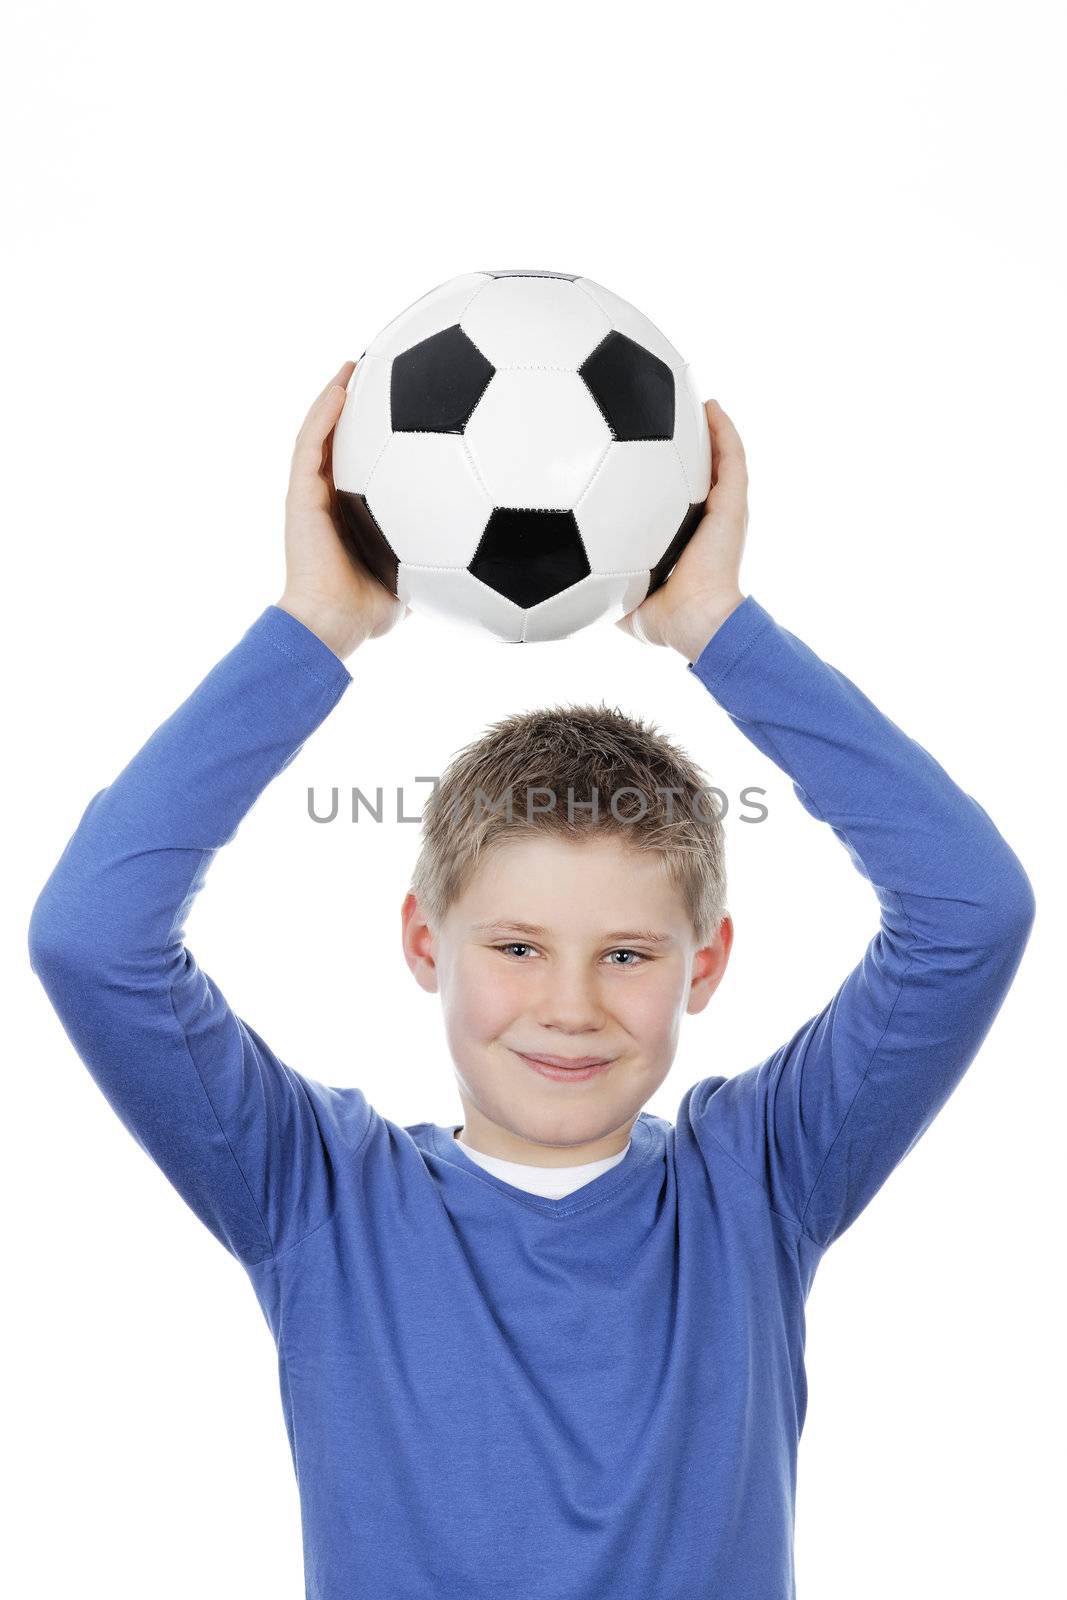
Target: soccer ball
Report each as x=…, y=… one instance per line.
x=523, y=452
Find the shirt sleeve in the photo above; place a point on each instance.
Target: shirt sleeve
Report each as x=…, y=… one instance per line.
x=823, y=1121
x=238, y=1133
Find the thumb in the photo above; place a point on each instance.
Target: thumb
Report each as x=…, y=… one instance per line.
x=632, y=623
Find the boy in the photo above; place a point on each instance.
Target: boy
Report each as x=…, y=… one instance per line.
x=619, y=1301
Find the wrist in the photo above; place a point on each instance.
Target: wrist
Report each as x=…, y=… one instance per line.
x=694, y=631
x=339, y=631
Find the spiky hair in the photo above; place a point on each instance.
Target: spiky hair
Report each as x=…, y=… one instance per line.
x=535, y=772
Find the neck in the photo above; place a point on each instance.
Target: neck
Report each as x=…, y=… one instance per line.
x=492, y=1140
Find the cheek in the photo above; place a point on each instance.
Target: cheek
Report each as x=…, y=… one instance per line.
x=651, y=1010
x=484, y=999
x=651, y=1006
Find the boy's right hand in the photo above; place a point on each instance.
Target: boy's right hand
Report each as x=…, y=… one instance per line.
x=326, y=588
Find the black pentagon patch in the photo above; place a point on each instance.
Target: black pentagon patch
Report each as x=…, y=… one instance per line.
x=436, y=384
x=364, y=539
x=633, y=388
x=660, y=572
x=528, y=556
x=568, y=277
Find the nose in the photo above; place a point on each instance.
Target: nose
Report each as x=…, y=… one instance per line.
x=570, y=1001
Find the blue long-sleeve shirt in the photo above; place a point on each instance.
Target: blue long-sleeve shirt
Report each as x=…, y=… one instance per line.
x=489, y=1393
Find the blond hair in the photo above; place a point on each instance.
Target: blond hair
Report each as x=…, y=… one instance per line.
x=562, y=762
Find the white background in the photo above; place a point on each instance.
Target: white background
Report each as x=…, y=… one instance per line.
x=849, y=219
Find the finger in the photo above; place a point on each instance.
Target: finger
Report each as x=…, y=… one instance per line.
x=324, y=412
x=723, y=432
x=731, y=468
x=341, y=377
x=331, y=394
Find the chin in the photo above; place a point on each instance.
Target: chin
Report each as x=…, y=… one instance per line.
x=564, y=1125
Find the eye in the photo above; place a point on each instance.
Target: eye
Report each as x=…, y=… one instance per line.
x=636, y=953
x=517, y=944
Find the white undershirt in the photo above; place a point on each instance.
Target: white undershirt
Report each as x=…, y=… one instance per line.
x=551, y=1182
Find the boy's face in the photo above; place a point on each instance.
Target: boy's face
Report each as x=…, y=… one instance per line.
x=576, y=988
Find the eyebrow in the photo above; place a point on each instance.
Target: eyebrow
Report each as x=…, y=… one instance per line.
x=645, y=936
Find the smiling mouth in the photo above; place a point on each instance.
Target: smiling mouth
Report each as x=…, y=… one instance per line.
x=566, y=1061
x=565, y=1069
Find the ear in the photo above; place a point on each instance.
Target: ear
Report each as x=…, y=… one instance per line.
x=709, y=965
x=418, y=941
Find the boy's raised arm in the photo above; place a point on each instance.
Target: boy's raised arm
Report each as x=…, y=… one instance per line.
x=239, y=1133
x=823, y=1121
x=233, y=1128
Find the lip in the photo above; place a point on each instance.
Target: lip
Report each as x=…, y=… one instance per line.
x=557, y=1067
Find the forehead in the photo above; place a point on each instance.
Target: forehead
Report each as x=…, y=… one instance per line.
x=598, y=880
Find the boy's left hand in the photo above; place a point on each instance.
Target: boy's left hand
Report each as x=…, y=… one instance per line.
x=704, y=587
